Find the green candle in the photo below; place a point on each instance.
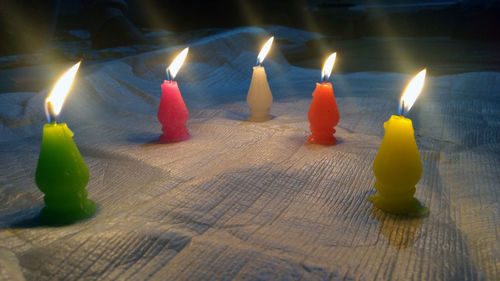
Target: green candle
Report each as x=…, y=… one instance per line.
x=61, y=173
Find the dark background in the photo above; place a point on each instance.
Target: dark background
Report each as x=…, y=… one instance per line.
x=27, y=25
x=468, y=19
x=454, y=36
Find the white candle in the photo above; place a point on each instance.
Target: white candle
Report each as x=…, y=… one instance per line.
x=259, y=97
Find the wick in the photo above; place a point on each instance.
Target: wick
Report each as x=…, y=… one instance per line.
x=402, y=109
x=168, y=75
x=51, y=116
x=259, y=63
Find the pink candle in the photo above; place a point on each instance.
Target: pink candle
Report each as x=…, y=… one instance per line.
x=173, y=113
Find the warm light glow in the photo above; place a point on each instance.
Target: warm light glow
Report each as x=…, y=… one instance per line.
x=328, y=66
x=56, y=98
x=263, y=52
x=177, y=63
x=412, y=92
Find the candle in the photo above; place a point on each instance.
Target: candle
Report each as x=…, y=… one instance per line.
x=323, y=113
x=397, y=166
x=61, y=173
x=259, y=97
x=172, y=112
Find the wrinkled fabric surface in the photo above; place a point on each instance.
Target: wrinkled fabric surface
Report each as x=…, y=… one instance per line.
x=253, y=201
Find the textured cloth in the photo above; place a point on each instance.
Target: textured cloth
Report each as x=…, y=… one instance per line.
x=253, y=201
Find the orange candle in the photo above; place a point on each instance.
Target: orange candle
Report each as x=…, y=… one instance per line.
x=323, y=114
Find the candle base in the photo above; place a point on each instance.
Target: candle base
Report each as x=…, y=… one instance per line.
x=174, y=134
x=59, y=217
x=259, y=116
x=399, y=206
x=327, y=139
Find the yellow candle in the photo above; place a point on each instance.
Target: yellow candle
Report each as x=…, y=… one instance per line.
x=397, y=166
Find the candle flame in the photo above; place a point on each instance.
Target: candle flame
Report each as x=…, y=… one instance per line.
x=412, y=91
x=56, y=98
x=328, y=66
x=263, y=52
x=176, y=64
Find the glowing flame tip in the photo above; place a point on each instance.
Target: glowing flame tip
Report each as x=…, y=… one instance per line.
x=328, y=66
x=56, y=98
x=176, y=64
x=412, y=91
x=265, y=49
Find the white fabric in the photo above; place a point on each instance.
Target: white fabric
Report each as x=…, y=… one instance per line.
x=252, y=201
